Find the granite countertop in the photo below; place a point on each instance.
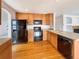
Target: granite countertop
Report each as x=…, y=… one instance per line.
x=73, y=36
x=4, y=40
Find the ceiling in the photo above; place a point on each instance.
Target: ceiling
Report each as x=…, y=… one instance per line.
x=45, y=6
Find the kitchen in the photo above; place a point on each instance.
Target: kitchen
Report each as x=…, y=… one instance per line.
x=40, y=29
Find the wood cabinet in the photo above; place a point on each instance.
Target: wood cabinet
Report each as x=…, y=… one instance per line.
x=44, y=34
x=30, y=18
x=40, y=17
x=44, y=19
x=21, y=16
x=47, y=19
x=52, y=38
x=48, y=36
x=6, y=50
x=51, y=17
x=30, y=35
x=37, y=16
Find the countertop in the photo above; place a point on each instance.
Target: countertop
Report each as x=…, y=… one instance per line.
x=73, y=36
x=4, y=40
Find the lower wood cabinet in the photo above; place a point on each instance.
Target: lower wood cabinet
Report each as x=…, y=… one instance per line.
x=44, y=34
x=65, y=46
x=6, y=50
x=69, y=48
x=30, y=35
x=52, y=38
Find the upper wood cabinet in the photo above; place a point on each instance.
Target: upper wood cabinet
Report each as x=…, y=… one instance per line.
x=30, y=18
x=0, y=11
x=40, y=17
x=51, y=19
x=47, y=19
x=44, y=18
x=21, y=16
x=37, y=16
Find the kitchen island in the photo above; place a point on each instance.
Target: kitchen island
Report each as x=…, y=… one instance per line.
x=5, y=48
x=68, y=41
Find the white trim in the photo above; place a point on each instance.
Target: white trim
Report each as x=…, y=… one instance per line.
x=54, y=22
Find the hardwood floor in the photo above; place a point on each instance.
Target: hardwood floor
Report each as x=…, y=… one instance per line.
x=36, y=50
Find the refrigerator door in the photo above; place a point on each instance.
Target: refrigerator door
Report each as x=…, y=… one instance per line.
x=14, y=31
x=14, y=25
x=19, y=33
x=22, y=31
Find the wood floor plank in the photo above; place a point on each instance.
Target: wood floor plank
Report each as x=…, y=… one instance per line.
x=35, y=50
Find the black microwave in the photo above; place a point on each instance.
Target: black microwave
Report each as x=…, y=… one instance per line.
x=76, y=30
x=37, y=22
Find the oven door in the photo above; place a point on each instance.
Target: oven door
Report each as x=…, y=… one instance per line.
x=37, y=33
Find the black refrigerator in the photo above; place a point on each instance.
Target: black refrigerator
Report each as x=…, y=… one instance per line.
x=19, y=31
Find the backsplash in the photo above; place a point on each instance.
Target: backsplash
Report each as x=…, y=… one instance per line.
x=44, y=27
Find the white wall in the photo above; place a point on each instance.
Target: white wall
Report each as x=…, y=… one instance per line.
x=9, y=9
x=59, y=22
x=5, y=26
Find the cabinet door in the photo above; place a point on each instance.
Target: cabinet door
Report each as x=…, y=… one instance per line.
x=30, y=35
x=48, y=35
x=30, y=18
x=6, y=50
x=49, y=19
x=53, y=39
x=44, y=35
x=37, y=16
x=44, y=18
x=65, y=47
x=21, y=16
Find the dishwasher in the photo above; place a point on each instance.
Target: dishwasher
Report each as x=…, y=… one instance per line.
x=65, y=46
